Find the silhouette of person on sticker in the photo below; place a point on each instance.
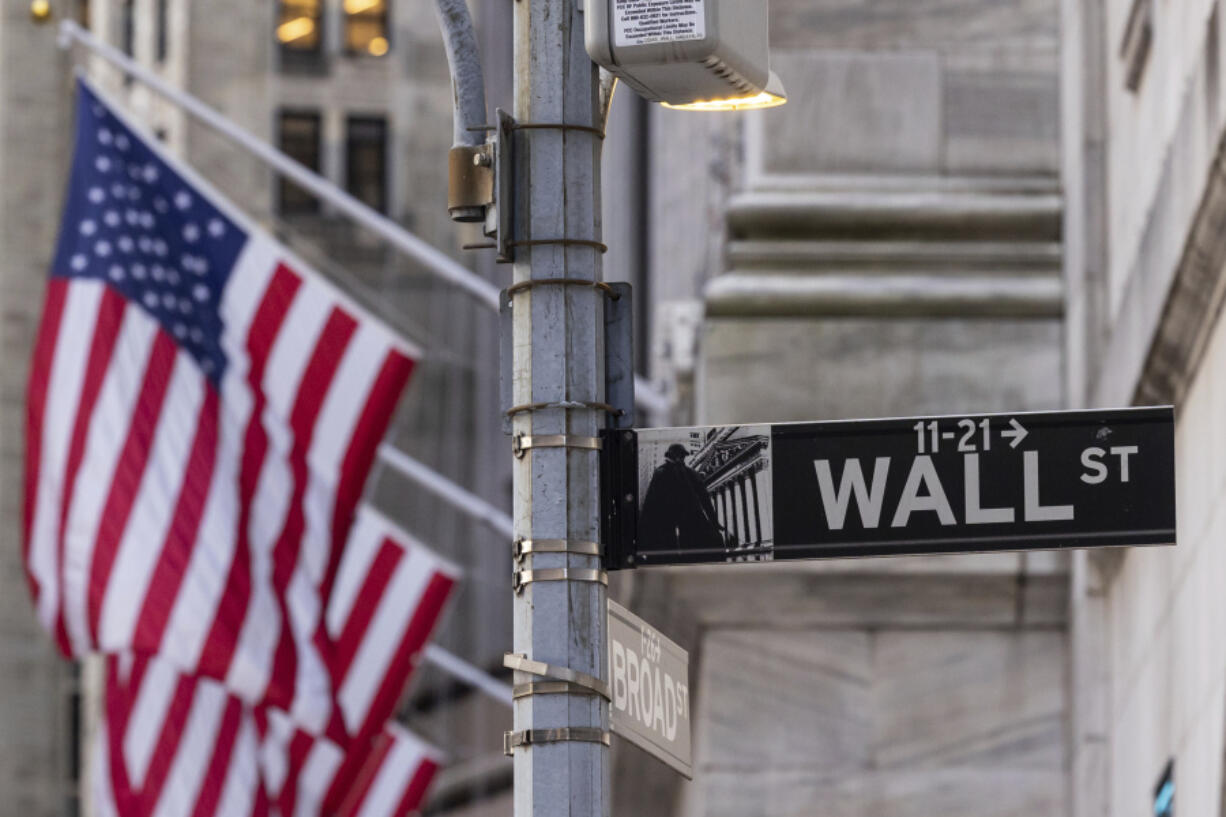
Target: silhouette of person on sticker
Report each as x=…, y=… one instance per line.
x=677, y=512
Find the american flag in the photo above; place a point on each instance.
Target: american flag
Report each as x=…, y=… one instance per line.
x=171, y=745
x=178, y=746
x=203, y=412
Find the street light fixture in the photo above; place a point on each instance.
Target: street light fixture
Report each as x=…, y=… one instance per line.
x=695, y=55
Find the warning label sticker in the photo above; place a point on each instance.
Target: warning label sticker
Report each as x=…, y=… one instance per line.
x=642, y=22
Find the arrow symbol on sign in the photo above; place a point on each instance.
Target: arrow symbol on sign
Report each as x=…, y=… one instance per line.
x=1017, y=433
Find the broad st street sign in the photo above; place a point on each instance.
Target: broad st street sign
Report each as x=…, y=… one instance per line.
x=920, y=485
x=649, y=678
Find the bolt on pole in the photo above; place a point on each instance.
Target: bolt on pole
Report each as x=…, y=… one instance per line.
x=558, y=356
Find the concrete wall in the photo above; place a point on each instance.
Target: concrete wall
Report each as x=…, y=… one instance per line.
x=886, y=244
x=36, y=746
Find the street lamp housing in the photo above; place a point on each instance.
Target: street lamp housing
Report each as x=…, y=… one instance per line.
x=687, y=54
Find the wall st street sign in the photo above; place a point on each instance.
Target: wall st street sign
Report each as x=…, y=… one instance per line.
x=649, y=678
x=920, y=485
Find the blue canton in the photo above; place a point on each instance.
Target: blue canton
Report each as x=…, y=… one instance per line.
x=132, y=221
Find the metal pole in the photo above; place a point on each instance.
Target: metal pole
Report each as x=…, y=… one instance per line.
x=558, y=356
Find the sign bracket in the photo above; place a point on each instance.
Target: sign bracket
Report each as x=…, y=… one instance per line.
x=565, y=734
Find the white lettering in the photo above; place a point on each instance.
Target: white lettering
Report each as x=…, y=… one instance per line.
x=647, y=704
x=658, y=703
x=670, y=711
x=1124, y=452
x=1035, y=510
x=619, y=675
x=1091, y=459
x=868, y=501
x=975, y=514
x=924, y=474
x=632, y=683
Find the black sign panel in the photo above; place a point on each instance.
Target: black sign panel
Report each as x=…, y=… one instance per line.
x=889, y=487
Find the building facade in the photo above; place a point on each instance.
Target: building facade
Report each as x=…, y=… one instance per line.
x=965, y=207
x=358, y=91
x=1144, y=128
x=887, y=244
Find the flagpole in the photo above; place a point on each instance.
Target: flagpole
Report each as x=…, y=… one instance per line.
x=448, y=491
x=433, y=260
x=460, y=669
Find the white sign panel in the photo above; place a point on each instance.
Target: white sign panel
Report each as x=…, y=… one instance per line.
x=643, y=22
x=650, y=681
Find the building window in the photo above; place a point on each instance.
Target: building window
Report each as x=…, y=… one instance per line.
x=160, y=45
x=298, y=135
x=300, y=30
x=127, y=27
x=366, y=28
x=127, y=33
x=1164, y=792
x=366, y=160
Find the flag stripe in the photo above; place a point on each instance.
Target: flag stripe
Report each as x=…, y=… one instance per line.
x=152, y=509
x=128, y=472
x=298, y=753
x=63, y=398
x=379, y=576
x=113, y=415
x=415, y=794
x=223, y=635
x=175, y=553
x=168, y=740
x=392, y=682
x=366, y=776
x=215, y=774
x=106, y=332
x=338, y=420
x=36, y=404
x=376, y=416
x=118, y=708
x=243, y=792
x=337, y=332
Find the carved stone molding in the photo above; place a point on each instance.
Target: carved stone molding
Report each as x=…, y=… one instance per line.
x=1194, y=300
x=910, y=253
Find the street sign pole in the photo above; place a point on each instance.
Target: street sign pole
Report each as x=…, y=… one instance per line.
x=561, y=727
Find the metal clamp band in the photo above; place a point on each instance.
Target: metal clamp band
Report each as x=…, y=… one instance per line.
x=521, y=578
x=522, y=663
x=563, y=734
x=565, y=404
x=523, y=442
x=524, y=286
x=578, y=547
x=550, y=688
x=562, y=126
x=561, y=242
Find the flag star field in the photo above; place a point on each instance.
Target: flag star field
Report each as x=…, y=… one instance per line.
x=132, y=220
